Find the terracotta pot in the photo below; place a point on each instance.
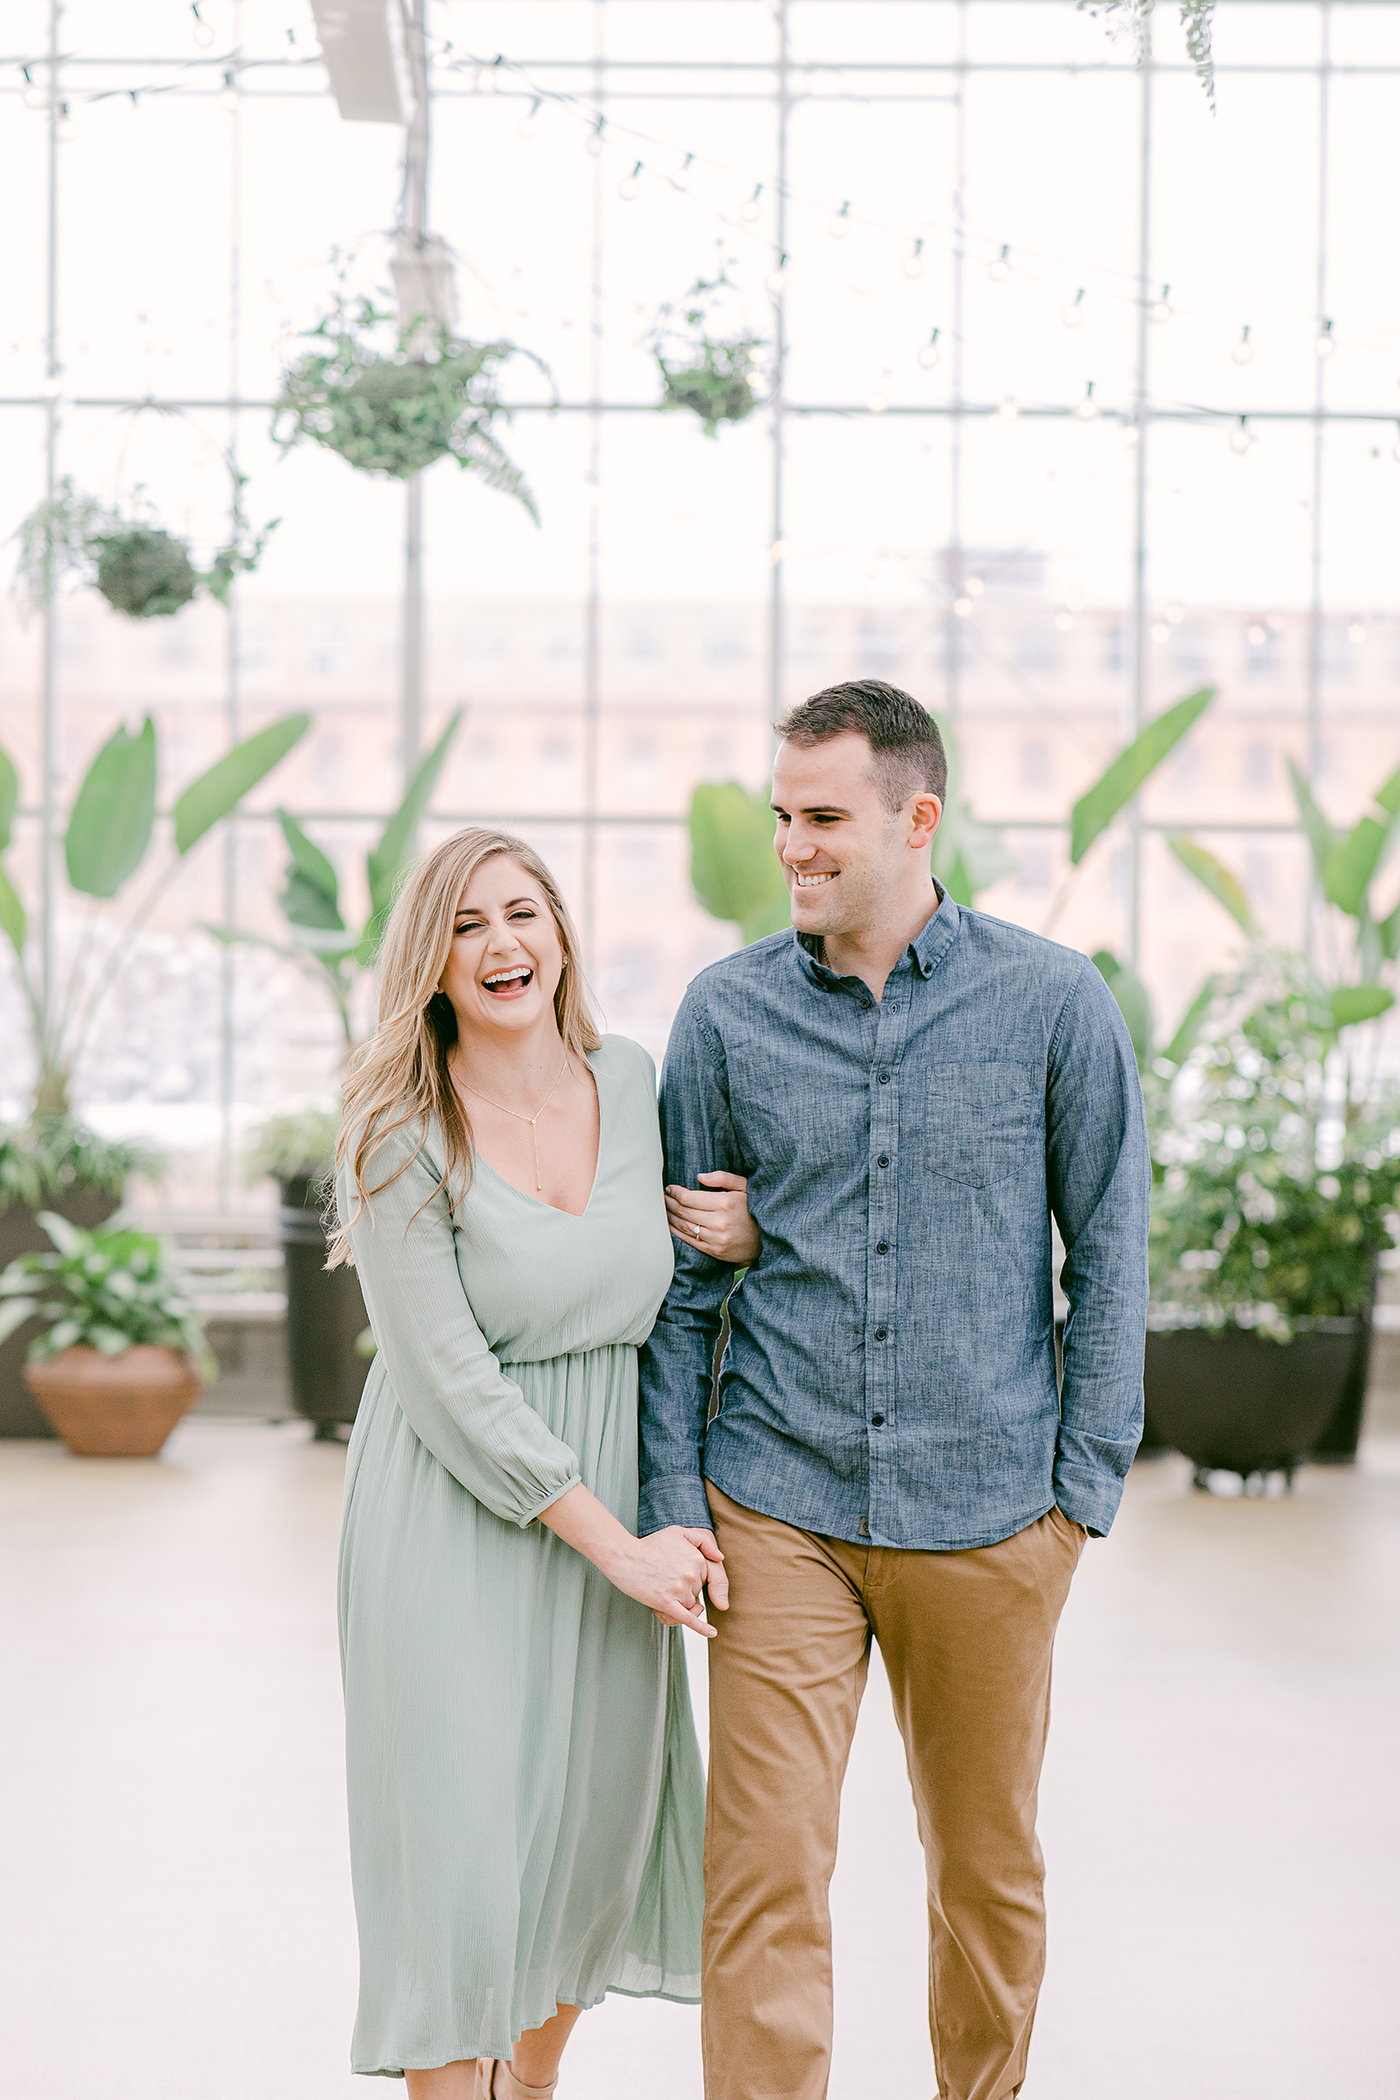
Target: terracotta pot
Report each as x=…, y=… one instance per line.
x=115, y=1406
x=21, y=1233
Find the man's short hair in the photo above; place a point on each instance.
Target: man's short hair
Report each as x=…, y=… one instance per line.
x=903, y=737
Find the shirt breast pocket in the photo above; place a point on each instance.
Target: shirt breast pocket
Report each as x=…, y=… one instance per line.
x=980, y=1120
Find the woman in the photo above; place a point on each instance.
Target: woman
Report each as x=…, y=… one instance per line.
x=525, y=1791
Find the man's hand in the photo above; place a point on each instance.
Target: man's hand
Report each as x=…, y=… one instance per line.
x=716, y=1580
x=715, y=1218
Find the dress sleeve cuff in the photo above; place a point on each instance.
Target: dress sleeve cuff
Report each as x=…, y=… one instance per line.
x=548, y=1498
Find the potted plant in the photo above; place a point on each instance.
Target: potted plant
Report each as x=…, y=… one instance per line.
x=709, y=372
x=326, y=1317
x=1277, y=1172
x=121, y=1355
x=391, y=399
x=139, y=567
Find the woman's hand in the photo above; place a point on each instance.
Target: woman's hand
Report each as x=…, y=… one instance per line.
x=715, y=1218
x=668, y=1572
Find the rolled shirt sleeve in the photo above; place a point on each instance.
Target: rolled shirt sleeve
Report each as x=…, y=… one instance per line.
x=1100, y=1182
x=449, y=1386
x=675, y=1367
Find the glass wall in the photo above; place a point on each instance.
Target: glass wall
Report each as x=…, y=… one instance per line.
x=1075, y=397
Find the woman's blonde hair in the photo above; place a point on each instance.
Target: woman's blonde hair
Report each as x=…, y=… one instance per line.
x=401, y=1077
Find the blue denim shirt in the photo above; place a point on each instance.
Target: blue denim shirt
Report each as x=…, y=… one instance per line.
x=890, y=1373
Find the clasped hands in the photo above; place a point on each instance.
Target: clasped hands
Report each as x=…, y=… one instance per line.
x=715, y=1218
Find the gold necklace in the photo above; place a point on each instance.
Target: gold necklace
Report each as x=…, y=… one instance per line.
x=531, y=1120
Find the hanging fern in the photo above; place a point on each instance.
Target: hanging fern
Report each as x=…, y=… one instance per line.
x=394, y=412
x=141, y=569
x=1196, y=19
x=704, y=372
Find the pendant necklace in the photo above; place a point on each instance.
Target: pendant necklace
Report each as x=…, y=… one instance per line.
x=531, y=1120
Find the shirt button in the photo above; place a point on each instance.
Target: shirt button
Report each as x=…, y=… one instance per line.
x=884, y=1079
x=880, y=1333
x=882, y=1246
x=877, y=1421
x=864, y=1528
x=883, y=1160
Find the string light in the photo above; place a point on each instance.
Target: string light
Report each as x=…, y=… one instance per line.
x=1243, y=350
x=630, y=184
x=914, y=264
x=1326, y=342
x=1241, y=438
x=1072, y=314
x=974, y=586
x=962, y=607
x=750, y=208
x=681, y=179
x=1130, y=435
x=841, y=224
x=443, y=58
x=1356, y=632
x=1088, y=408
x=203, y=31
x=878, y=402
x=776, y=280
x=594, y=142
x=1009, y=409
x=1257, y=635
x=999, y=269
x=488, y=78
x=1160, y=630
x=527, y=127
x=35, y=97
x=1064, y=622
x=777, y=551
x=228, y=98
x=51, y=389
x=1162, y=308
x=67, y=126
x=929, y=355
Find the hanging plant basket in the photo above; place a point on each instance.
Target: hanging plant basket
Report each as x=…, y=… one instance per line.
x=392, y=411
x=702, y=369
x=139, y=567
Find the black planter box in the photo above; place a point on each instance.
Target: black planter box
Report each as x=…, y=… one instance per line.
x=325, y=1315
x=21, y=1233
x=1232, y=1400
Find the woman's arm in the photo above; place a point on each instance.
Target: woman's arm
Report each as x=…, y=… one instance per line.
x=715, y=1218
x=667, y=1572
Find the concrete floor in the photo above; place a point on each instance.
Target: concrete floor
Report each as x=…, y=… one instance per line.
x=1221, y=1807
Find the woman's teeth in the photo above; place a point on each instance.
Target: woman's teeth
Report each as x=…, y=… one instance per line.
x=507, y=980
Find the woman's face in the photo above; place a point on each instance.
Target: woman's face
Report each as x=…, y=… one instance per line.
x=506, y=958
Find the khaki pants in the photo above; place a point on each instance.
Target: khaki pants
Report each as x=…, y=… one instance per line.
x=966, y=1641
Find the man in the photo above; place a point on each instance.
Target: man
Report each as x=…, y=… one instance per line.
x=912, y=1089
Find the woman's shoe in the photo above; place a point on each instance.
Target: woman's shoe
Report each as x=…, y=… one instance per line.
x=511, y=2087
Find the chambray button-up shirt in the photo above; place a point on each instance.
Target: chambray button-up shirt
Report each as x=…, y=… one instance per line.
x=890, y=1373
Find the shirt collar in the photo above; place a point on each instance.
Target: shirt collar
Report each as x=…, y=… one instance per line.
x=923, y=954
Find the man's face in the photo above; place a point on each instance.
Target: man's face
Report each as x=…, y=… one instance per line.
x=843, y=852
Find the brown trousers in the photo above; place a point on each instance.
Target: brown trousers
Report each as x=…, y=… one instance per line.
x=966, y=1641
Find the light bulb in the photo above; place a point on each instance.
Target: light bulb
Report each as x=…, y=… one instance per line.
x=1241, y=438
x=35, y=97
x=929, y=355
x=999, y=269
x=914, y=264
x=750, y=208
x=228, y=98
x=776, y=280
x=777, y=551
x=1161, y=308
x=962, y=607
x=681, y=179
x=1064, y=621
x=1088, y=408
x=1159, y=630
x=527, y=127
x=630, y=184
x=975, y=586
x=1072, y=314
x=203, y=31
x=51, y=389
x=841, y=224
x=1074, y=602
x=1356, y=632
x=878, y=403
x=67, y=125
x=594, y=142
x=443, y=58
x=1326, y=342
x=1129, y=436
x=1008, y=411
x=1257, y=635
x=1243, y=350
x=488, y=78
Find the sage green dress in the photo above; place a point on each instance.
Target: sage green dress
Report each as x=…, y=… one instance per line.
x=525, y=1790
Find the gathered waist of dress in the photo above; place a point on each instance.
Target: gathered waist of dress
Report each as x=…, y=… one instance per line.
x=609, y=1351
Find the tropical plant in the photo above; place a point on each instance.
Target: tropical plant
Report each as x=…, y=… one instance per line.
x=391, y=400
x=733, y=868
x=708, y=373
x=109, y=1290
x=140, y=569
x=45, y=1157
x=320, y=942
x=109, y=832
x=1134, y=16
x=290, y=1147
x=1276, y=1159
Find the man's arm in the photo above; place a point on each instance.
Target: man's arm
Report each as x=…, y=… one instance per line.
x=697, y=1137
x=1100, y=1180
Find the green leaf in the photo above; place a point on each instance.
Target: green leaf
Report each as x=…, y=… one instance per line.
x=110, y=827
x=1359, y=1002
x=12, y=914
x=312, y=895
x=1352, y=863
x=733, y=868
x=219, y=791
x=1189, y=1030
x=9, y=797
x=1094, y=811
x=1213, y=876
x=15, y=1314
x=1389, y=930
x=1388, y=796
x=1133, y=1001
x=69, y=1239
x=1320, y=836
x=388, y=857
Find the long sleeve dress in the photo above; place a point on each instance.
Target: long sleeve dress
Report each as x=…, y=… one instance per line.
x=525, y=1790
